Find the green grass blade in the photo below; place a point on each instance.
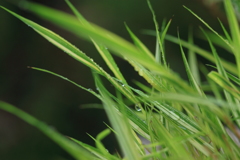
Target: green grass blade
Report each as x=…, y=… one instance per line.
x=119, y=123
x=219, y=79
x=188, y=70
x=59, y=42
x=139, y=44
x=193, y=63
x=158, y=35
x=95, y=151
x=73, y=52
x=218, y=42
x=225, y=84
x=231, y=67
x=227, y=65
x=135, y=121
x=101, y=48
x=100, y=145
x=234, y=28
x=225, y=31
x=74, y=150
x=209, y=27
x=112, y=41
x=66, y=79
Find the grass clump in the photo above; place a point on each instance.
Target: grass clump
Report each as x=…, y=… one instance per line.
x=177, y=117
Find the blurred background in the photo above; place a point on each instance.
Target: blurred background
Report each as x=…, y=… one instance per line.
x=57, y=102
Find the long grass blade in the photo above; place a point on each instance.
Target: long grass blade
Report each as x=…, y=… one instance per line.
x=73, y=149
x=119, y=123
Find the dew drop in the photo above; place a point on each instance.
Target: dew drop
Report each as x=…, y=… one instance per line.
x=138, y=108
x=89, y=89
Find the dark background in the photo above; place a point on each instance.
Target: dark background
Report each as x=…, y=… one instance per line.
x=57, y=102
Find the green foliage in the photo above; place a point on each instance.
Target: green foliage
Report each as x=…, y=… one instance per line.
x=178, y=117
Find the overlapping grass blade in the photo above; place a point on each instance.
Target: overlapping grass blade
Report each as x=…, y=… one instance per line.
x=119, y=123
x=225, y=84
x=59, y=42
x=231, y=67
x=95, y=151
x=104, y=52
x=138, y=43
x=230, y=93
x=209, y=27
x=234, y=29
x=138, y=125
x=159, y=40
x=73, y=52
x=214, y=38
x=112, y=41
x=73, y=149
x=191, y=78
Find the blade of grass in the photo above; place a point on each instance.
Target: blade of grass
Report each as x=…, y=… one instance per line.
x=234, y=28
x=59, y=42
x=225, y=84
x=94, y=150
x=193, y=64
x=222, y=75
x=114, y=42
x=73, y=149
x=138, y=43
x=228, y=65
x=138, y=125
x=101, y=48
x=224, y=40
x=158, y=35
x=119, y=123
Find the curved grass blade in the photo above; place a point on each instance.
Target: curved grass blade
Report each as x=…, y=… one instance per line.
x=138, y=43
x=234, y=28
x=74, y=150
x=159, y=40
x=227, y=65
x=224, y=40
x=225, y=84
x=59, y=42
x=193, y=63
x=188, y=70
x=104, y=52
x=218, y=42
x=223, y=76
x=119, y=123
x=100, y=145
x=94, y=150
x=112, y=41
x=138, y=125
x=73, y=52
x=66, y=79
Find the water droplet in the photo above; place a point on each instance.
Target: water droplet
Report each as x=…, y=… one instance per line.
x=89, y=89
x=138, y=108
x=123, y=85
x=97, y=89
